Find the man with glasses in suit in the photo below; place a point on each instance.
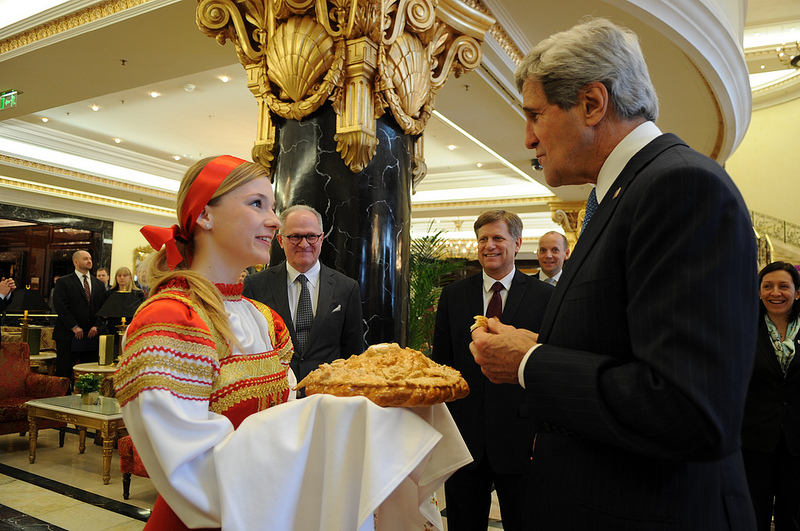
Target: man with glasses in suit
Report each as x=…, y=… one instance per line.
x=321, y=306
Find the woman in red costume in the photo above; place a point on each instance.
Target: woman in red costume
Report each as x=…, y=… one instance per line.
x=198, y=357
x=203, y=366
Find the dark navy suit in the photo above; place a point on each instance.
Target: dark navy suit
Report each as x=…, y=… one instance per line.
x=493, y=419
x=647, y=347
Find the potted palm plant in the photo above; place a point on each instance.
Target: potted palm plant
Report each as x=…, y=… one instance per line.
x=89, y=387
x=428, y=268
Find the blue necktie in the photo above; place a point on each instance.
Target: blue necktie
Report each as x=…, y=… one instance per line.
x=591, y=206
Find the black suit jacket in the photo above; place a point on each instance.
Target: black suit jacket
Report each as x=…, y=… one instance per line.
x=647, y=349
x=493, y=417
x=338, y=329
x=69, y=302
x=773, y=401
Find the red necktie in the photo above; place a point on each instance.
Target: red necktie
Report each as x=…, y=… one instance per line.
x=86, y=289
x=495, y=308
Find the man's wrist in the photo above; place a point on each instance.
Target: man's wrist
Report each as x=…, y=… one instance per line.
x=521, y=369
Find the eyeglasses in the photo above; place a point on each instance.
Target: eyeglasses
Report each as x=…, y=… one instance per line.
x=297, y=238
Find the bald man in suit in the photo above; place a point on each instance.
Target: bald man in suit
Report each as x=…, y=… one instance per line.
x=77, y=326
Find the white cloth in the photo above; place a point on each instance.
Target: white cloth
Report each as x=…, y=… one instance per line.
x=329, y=463
x=322, y=463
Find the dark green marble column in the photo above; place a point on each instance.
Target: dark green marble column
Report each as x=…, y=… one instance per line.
x=366, y=216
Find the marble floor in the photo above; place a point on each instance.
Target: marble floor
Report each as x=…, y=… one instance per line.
x=63, y=489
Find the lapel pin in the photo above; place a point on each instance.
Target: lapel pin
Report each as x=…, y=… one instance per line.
x=617, y=192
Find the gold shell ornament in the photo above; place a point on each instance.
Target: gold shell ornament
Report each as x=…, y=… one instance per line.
x=298, y=56
x=411, y=76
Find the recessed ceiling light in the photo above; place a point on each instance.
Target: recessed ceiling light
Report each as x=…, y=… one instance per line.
x=451, y=147
x=45, y=119
x=224, y=79
x=480, y=164
x=118, y=140
x=763, y=67
x=155, y=94
x=176, y=157
x=95, y=108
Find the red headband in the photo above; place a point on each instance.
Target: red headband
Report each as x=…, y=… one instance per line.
x=200, y=193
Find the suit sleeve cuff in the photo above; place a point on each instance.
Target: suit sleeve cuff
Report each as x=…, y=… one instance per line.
x=521, y=369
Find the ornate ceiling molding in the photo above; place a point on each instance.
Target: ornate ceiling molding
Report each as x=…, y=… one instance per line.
x=484, y=203
x=70, y=24
x=498, y=32
x=74, y=195
x=83, y=177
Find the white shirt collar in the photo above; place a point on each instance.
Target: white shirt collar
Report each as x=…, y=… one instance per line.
x=622, y=154
x=312, y=274
x=488, y=281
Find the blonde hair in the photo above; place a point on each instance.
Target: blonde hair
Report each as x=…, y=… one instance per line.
x=201, y=291
x=123, y=269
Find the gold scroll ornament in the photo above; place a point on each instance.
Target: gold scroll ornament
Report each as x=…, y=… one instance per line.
x=365, y=56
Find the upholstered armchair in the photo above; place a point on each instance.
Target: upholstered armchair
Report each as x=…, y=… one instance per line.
x=129, y=463
x=18, y=385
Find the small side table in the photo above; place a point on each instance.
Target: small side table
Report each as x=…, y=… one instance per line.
x=44, y=363
x=105, y=416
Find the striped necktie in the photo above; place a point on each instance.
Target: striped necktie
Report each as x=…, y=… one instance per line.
x=86, y=289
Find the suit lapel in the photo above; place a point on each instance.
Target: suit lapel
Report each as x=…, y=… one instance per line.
x=600, y=219
x=76, y=281
x=515, y=296
x=475, y=296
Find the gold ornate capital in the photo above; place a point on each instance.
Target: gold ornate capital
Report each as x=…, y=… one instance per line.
x=367, y=57
x=568, y=214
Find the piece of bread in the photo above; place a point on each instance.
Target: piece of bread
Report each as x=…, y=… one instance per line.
x=389, y=376
x=481, y=321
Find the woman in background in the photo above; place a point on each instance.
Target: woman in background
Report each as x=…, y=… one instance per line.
x=123, y=281
x=771, y=429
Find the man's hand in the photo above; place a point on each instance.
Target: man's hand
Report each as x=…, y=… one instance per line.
x=7, y=285
x=92, y=332
x=78, y=331
x=500, y=351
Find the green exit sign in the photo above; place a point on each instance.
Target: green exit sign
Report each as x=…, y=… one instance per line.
x=8, y=99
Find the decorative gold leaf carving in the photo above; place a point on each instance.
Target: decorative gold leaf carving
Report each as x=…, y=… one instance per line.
x=357, y=148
